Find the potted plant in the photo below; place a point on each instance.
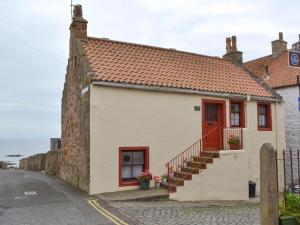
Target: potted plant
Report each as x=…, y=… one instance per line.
x=290, y=209
x=234, y=142
x=157, y=181
x=164, y=178
x=144, y=179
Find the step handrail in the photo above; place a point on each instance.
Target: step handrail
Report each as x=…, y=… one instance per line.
x=178, y=161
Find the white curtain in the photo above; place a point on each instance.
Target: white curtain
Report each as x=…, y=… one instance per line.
x=126, y=172
x=136, y=170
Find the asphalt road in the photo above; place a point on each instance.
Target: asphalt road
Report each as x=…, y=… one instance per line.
x=31, y=198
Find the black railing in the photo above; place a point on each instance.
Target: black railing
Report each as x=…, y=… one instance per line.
x=291, y=160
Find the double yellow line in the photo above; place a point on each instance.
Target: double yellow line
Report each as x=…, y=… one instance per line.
x=116, y=220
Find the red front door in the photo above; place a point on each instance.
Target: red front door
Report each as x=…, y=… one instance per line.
x=212, y=126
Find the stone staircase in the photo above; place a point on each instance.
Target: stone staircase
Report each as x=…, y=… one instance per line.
x=193, y=166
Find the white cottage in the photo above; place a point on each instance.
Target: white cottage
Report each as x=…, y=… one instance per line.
x=129, y=107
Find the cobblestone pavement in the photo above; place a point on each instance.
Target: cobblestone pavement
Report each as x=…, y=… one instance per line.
x=179, y=213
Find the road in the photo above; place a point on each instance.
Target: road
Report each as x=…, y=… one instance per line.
x=32, y=198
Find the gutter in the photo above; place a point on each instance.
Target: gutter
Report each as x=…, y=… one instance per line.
x=183, y=91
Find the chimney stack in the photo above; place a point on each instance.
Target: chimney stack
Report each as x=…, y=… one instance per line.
x=278, y=46
x=78, y=26
x=296, y=46
x=231, y=51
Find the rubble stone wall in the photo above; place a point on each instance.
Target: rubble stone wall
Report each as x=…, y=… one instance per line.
x=52, y=166
x=23, y=164
x=36, y=162
x=74, y=167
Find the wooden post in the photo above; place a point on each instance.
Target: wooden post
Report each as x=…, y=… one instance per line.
x=269, y=213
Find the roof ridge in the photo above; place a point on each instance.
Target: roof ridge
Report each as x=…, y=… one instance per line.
x=257, y=59
x=262, y=83
x=159, y=48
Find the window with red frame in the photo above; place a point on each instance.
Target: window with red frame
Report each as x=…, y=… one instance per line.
x=236, y=114
x=264, y=116
x=132, y=162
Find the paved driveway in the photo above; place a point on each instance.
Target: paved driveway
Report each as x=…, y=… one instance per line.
x=169, y=212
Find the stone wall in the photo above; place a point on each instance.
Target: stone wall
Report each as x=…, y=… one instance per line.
x=75, y=120
x=23, y=164
x=292, y=127
x=52, y=166
x=3, y=165
x=36, y=162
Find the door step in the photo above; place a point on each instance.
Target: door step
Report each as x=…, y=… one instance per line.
x=183, y=175
x=203, y=159
x=210, y=154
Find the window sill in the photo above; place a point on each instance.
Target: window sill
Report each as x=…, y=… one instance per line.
x=129, y=183
x=265, y=129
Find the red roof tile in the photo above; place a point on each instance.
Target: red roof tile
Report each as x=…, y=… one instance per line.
x=280, y=73
x=124, y=62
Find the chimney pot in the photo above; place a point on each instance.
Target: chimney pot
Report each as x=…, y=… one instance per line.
x=233, y=47
x=280, y=36
x=77, y=11
x=228, y=45
x=299, y=36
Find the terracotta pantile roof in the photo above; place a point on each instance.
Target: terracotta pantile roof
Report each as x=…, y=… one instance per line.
x=280, y=74
x=129, y=63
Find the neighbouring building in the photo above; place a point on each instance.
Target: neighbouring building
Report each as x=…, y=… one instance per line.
x=129, y=107
x=274, y=69
x=55, y=144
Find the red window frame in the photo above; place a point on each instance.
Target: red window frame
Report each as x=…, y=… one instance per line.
x=268, y=114
x=242, y=112
x=131, y=149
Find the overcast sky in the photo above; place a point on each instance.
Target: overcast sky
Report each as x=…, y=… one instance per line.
x=34, y=44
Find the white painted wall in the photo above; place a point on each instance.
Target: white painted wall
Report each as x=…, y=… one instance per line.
x=257, y=138
x=167, y=123
x=292, y=126
x=292, y=115
x=225, y=179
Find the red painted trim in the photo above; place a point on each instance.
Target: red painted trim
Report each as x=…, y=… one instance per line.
x=242, y=112
x=269, y=116
x=223, y=103
x=130, y=149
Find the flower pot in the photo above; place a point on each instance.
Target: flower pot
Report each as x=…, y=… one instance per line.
x=145, y=184
x=157, y=185
x=288, y=220
x=164, y=180
x=234, y=146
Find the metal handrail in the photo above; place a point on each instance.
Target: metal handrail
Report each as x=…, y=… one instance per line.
x=178, y=161
x=193, y=150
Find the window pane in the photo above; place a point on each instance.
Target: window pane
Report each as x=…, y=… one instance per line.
x=126, y=172
x=211, y=112
x=262, y=109
x=235, y=107
x=126, y=158
x=235, y=119
x=262, y=121
x=138, y=158
x=137, y=170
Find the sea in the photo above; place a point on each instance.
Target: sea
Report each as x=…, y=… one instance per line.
x=12, y=150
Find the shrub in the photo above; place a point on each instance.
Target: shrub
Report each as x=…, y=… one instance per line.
x=291, y=206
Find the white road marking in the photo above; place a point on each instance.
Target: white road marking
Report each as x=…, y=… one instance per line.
x=22, y=197
x=30, y=193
